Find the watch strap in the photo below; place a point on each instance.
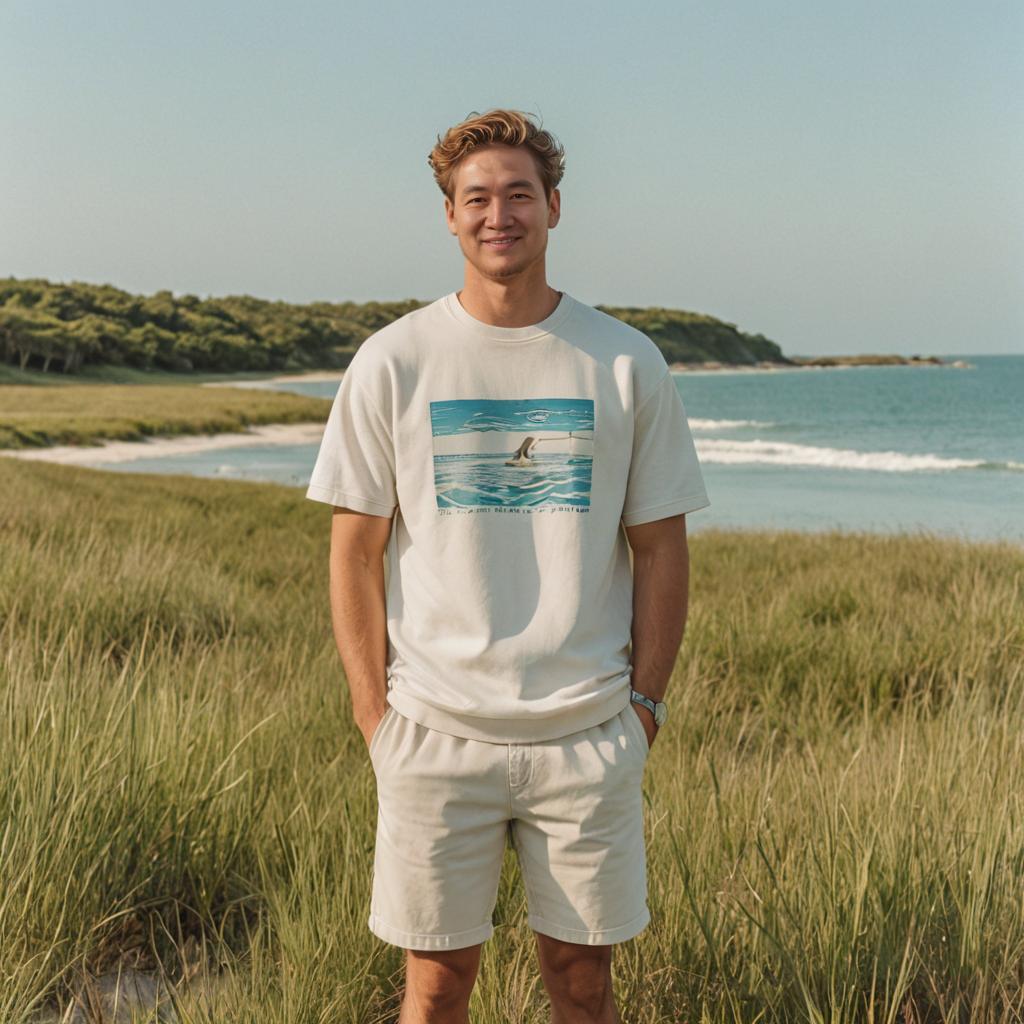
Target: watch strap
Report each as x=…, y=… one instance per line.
x=639, y=698
x=652, y=706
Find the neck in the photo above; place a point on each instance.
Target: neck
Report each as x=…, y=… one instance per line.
x=517, y=302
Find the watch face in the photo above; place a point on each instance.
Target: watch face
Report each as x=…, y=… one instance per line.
x=660, y=714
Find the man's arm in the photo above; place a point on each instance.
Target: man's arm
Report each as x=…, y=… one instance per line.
x=359, y=611
x=661, y=580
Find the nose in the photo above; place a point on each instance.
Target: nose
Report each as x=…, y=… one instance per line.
x=499, y=213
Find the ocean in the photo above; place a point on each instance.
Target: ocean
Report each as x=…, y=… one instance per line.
x=933, y=449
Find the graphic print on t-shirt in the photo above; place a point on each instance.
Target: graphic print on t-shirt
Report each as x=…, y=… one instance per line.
x=513, y=455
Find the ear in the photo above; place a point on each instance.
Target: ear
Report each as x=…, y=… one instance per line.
x=449, y=215
x=554, y=208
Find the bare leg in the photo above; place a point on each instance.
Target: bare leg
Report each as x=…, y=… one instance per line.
x=578, y=979
x=438, y=984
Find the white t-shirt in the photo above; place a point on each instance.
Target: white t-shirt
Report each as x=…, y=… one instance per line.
x=513, y=455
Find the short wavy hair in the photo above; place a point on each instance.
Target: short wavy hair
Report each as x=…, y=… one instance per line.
x=498, y=126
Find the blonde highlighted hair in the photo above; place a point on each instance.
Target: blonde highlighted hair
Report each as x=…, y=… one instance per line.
x=499, y=126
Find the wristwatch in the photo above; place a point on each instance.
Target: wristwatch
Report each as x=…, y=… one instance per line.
x=659, y=710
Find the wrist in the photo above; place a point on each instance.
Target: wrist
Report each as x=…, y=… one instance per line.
x=646, y=713
x=657, y=709
x=369, y=711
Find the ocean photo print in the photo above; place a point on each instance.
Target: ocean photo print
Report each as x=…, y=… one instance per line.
x=520, y=455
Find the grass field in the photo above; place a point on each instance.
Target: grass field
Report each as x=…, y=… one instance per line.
x=835, y=811
x=32, y=416
x=109, y=373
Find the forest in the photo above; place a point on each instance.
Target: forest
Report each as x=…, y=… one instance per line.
x=59, y=328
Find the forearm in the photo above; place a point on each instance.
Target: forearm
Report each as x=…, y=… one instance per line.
x=359, y=619
x=660, y=593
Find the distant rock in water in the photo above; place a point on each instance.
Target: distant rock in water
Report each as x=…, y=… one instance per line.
x=869, y=360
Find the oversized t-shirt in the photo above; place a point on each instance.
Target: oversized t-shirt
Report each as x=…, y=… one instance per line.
x=510, y=458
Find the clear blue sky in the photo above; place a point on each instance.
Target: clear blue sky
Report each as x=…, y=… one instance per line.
x=840, y=177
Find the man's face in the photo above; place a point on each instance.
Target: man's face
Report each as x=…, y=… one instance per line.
x=500, y=214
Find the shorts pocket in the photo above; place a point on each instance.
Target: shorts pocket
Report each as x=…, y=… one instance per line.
x=381, y=725
x=639, y=733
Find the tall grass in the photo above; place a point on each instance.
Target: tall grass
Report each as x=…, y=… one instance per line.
x=835, y=811
x=37, y=417
x=113, y=373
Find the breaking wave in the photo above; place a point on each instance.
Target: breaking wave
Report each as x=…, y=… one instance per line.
x=780, y=453
x=699, y=424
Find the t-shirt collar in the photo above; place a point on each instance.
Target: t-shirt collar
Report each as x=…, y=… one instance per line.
x=511, y=334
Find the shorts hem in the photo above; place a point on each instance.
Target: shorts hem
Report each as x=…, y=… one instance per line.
x=598, y=937
x=413, y=940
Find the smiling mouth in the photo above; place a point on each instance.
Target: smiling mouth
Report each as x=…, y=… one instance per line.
x=500, y=243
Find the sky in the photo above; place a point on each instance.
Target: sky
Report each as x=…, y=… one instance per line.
x=842, y=178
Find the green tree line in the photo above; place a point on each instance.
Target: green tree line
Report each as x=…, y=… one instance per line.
x=56, y=327
x=685, y=337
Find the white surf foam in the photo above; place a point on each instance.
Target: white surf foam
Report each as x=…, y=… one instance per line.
x=780, y=453
x=699, y=424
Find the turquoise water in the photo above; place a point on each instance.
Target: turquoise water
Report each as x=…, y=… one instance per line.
x=879, y=448
x=481, y=481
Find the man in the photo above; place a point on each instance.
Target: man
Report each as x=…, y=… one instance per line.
x=508, y=448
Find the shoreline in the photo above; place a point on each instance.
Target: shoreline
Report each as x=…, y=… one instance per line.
x=335, y=376
x=263, y=435
x=698, y=368
x=313, y=377
x=279, y=434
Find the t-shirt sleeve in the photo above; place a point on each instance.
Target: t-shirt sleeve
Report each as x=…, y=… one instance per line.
x=664, y=473
x=355, y=467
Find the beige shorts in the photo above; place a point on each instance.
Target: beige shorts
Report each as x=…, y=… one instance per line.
x=570, y=807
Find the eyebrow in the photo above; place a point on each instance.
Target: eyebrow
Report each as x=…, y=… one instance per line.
x=512, y=184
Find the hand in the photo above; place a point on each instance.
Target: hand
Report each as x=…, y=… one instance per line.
x=647, y=721
x=368, y=726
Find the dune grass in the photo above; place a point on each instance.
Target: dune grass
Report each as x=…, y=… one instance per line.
x=112, y=373
x=835, y=812
x=32, y=416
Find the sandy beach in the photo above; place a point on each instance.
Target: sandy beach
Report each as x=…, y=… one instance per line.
x=184, y=444
x=314, y=376
x=700, y=369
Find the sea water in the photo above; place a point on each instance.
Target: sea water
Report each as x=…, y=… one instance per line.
x=938, y=449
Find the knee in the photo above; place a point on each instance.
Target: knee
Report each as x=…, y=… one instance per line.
x=578, y=978
x=438, y=981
